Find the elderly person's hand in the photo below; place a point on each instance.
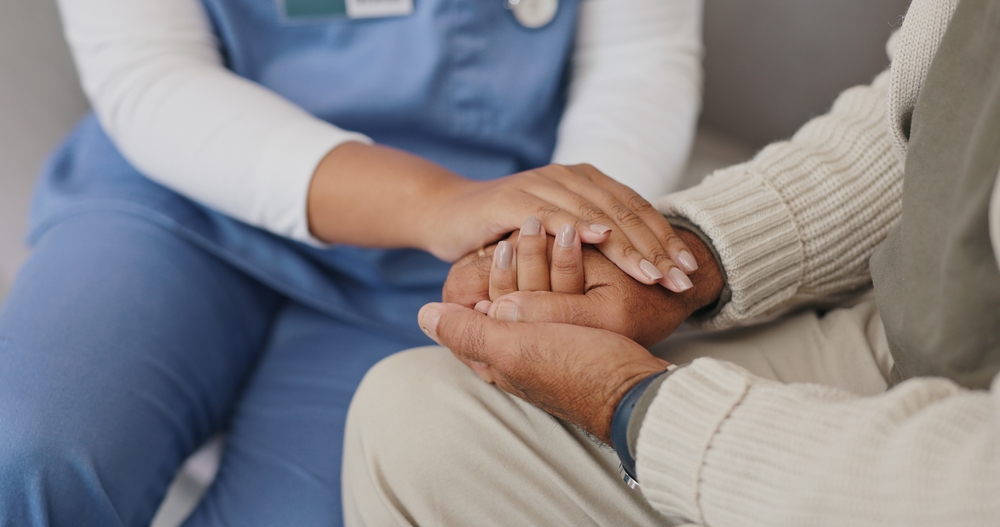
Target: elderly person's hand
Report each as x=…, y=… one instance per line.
x=576, y=374
x=523, y=273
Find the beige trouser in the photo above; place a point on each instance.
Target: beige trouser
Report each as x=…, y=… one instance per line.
x=429, y=443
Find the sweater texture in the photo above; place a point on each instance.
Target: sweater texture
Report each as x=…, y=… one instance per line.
x=796, y=226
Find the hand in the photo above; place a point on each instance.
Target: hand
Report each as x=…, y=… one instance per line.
x=375, y=196
x=611, y=299
x=622, y=225
x=576, y=374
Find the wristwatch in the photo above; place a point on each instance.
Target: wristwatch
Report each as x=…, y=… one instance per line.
x=623, y=415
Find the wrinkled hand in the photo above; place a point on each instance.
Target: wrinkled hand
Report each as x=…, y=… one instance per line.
x=611, y=299
x=576, y=374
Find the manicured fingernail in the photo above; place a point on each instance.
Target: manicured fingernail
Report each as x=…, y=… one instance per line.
x=651, y=271
x=507, y=311
x=504, y=255
x=566, y=236
x=531, y=227
x=483, y=306
x=680, y=279
x=599, y=229
x=687, y=262
x=428, y=317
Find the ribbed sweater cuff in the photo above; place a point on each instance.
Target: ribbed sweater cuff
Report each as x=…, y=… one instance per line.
x=678, y=430
x=755, y=235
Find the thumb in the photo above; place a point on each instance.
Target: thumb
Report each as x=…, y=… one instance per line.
x=469, y=334
x=543, y=306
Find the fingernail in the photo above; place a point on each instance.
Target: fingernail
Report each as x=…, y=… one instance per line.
x=567, y=235
x=531, y=227
x=428, y=317
x=651, y=271
x=506, y=311
x=599, y=229
x=680, y=279
x=504, y=255
x=687, y=262
x=483, y=306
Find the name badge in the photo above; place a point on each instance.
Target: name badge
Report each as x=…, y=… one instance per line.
x=306, y=9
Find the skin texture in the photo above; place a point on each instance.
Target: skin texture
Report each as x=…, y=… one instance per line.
x=611, y=299
x=576, y=373
x=375, y=196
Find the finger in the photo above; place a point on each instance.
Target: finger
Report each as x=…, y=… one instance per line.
x=555, y=206
x=532, y=260
x=535, y=306
x=468, y=279
x=503, y=274
x=468, y=334
x=483, y=306
x=616, y=244
x=676, y=249
x=642, y=235
x=566, y=271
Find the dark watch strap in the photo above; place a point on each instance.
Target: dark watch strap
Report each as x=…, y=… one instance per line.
x=620, y=421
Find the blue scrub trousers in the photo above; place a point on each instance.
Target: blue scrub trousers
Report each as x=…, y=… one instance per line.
x=123, y=347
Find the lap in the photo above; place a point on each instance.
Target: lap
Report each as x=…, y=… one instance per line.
x=121, y=349
x=282, y=460
x=429, y=443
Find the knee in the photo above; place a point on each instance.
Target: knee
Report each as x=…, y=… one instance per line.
x=41, y=472
x=32, y=451
x=409, y=406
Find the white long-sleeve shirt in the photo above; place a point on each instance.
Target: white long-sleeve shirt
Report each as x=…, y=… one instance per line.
x=154, y=75
x=720, y=446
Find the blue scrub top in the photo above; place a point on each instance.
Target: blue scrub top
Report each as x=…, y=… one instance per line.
x=459, y=82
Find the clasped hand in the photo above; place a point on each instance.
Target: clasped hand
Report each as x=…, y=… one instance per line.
x=556, y=323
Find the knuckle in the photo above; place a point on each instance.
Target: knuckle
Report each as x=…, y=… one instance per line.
x=659, y=258
x=548, y=212
x=628, y=251
x=625, y=217
x=566, y=267
x=586, y=170
x=638, y=204
x=590, y=212
x=473, y=340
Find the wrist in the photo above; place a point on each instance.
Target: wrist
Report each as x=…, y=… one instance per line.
x=375, y=196
x=445, y=210
x=628, y=415
x=708, y=280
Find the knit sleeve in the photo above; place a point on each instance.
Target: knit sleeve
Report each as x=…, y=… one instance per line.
x=798, y=222
x=635, y=91
x=722, y=447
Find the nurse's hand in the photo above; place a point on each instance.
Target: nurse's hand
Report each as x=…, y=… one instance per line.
x=605, y=213
x=376, y=196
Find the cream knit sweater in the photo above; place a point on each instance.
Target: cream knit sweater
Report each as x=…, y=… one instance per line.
x=797, y=225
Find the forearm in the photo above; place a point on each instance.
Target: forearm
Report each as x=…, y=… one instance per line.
x=376, y=196
x=720, y=446
x=799, y=221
